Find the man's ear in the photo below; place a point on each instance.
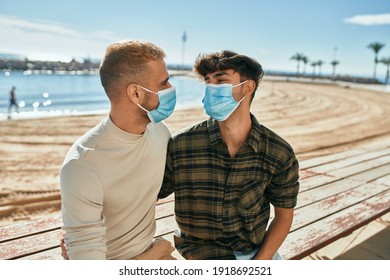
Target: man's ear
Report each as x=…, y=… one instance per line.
x=133, y=94
x=249, y=87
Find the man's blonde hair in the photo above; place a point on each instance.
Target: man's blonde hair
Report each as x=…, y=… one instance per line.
x=125, y=62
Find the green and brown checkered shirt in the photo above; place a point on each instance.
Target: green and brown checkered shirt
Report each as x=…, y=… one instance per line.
x=222, y=204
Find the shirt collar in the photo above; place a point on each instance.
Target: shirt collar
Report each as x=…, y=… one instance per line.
x=254, y=139
x=213, y=130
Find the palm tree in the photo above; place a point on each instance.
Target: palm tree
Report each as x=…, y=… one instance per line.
x=305, y=60
x=386, y=61
x=298, y=58
x=376, y=47
x=314, y=64
x=334, y=63
x=319, y=64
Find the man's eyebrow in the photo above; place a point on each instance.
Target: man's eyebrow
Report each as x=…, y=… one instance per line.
x=217, y=75
x=164, y=82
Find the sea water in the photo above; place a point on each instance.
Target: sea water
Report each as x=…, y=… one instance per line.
x=66, y=94
x=51, y=94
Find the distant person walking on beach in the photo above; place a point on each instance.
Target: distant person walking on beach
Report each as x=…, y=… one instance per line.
x=12, y=102
x=108, y=194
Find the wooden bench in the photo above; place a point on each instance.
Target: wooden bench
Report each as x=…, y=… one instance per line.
x=39, y=239
x=339, y=193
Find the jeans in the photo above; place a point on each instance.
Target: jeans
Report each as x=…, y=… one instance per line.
x=252, y=254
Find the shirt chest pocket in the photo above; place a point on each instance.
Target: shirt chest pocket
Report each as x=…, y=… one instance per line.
x=250, y=202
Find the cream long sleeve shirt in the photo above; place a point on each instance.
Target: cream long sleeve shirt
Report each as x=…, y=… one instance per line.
x=109, y=185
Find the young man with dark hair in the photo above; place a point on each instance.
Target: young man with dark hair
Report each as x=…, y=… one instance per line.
x=227, y=170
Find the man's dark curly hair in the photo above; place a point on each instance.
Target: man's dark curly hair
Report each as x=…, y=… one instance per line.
x=248, y=68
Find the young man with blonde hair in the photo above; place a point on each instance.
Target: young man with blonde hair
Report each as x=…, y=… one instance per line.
x=108, y=195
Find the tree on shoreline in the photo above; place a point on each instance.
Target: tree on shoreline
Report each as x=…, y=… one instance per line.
x=313, y=64
x=298, y=57
x=334, y=63
x=386, y=61
x=319, y=64
x=305, y=60
x=376, y=47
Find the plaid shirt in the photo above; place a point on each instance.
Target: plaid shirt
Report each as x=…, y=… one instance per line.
x=222, y=203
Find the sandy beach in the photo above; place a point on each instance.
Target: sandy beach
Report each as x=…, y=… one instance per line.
x=317, y=119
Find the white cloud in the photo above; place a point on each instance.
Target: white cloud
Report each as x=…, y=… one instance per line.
x=36, y=26
x=38, y=39
x=377, y=19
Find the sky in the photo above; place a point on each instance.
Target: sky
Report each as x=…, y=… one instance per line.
x=271, y=31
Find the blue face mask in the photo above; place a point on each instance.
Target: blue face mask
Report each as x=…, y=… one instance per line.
x=167, y=103
x=218, y=101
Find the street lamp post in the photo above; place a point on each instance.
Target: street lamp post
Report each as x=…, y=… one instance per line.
x=184, y=39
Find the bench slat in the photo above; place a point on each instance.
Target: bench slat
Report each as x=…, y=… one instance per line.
x=315, y=181
x=166, y=209
x=359, y=167
x=51, y=254
x=308, y=163
x=29, y=245
x=28, y=228
x=385, y=180
x=350, y=161
x=373, y=174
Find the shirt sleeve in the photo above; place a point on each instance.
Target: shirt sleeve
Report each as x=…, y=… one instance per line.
x=82, y=205
x=167, y=186
x=284, y=187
